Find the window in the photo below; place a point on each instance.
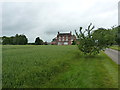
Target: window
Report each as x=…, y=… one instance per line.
x=71, y=39
x=65, y=43
x=59, y=38
x=66, y=38
x=59, y=43
x=63, y=39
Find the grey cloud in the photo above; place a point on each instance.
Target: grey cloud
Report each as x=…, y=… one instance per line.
x=119, y=13
x=45, y=19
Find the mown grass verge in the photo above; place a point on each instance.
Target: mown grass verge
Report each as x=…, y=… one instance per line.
x=115, y=47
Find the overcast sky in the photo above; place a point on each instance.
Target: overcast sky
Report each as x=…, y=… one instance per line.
x=45, y=18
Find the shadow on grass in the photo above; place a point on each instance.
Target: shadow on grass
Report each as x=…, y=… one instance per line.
x=80, y=55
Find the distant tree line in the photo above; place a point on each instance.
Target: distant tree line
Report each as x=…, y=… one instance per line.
x=21, y=40
x=15, y=40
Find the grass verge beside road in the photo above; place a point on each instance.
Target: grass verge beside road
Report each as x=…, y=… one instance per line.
x=115, y=47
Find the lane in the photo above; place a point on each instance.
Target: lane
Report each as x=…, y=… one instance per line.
x=113, y=54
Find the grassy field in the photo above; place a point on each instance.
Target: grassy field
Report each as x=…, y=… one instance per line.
x=56, y=67
x=0, y=66
x=115, y=47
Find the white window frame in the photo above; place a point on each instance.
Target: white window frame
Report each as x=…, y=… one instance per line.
x=65, y=43
x=59, y=43
x=59, y=38
x=66, y=38
x=63, y=38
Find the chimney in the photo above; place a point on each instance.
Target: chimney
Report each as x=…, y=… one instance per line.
x=70, y=32
x=58, y=33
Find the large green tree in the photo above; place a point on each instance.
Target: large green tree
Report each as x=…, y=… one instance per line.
x=104, y=37
x=117, y=38
x=22, y=40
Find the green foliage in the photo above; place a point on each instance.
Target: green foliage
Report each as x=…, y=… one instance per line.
x=38, y=41
x=117, y=38
x=6, y=41
x=15, y=40
x=30, y=66
x=105, y=38
x=91, y=43
x=73, y=42
x=87, y=44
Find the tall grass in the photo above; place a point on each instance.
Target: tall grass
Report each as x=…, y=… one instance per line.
x=56, y=67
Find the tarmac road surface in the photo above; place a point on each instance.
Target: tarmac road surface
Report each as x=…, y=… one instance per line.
x=113, y=54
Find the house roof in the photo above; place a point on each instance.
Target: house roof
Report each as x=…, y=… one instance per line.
x=64, y=34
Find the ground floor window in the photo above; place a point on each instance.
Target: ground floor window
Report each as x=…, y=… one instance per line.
x=59, y=43
x=65, y=43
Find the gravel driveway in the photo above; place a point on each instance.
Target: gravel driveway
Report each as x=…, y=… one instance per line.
x=113, y=54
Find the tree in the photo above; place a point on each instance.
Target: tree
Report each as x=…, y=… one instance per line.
x=15, y=40
x=91, y=43
x=6, y=40
x=117, y=38
x=38, y=41
x=22, y=40
x=73, y=42
x=104, y=37
x=86, y=41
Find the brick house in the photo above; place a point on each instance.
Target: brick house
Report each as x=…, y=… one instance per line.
x=63, y=39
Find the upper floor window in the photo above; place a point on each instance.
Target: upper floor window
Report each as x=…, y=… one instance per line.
x=71, y=39
x=66, y=39
x=59, y=38
x=63, y=39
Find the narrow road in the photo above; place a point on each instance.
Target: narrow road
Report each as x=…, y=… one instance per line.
x=113, y=54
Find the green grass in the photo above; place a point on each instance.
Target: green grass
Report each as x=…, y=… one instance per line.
x=56, y=67
x=115, y=47
x=0, y=67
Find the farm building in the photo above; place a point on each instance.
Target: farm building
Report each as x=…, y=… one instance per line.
x=63, y=39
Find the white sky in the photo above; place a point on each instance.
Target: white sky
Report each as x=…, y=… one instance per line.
x=44, y=18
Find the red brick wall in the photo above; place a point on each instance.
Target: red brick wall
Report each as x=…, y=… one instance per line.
x=61, y=39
